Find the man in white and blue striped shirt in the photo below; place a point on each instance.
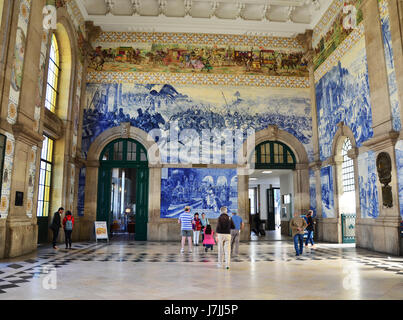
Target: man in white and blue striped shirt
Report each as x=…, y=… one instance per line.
x=185, y=219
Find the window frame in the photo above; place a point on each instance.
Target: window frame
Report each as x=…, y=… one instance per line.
x=51, y=92
x=274, y=158
x=347, y=167
x=49, y=162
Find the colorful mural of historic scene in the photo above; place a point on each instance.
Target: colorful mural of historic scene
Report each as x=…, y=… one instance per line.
x=174, y=58
x=342, y=94
x=390, y=67
x=312, y=191
x=204, y=190
x=200, y=108
x=326, y=179
x=369, y=202
x=335, y=35
x=399, y=168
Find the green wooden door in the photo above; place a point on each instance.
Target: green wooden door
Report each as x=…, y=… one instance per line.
x=142, y=204
x=124, y=153
x=104, y=195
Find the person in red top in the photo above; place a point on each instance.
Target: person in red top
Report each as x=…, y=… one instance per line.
x=68, y=224
x=196, y=224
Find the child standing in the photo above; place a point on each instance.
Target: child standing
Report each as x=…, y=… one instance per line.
x=196, y=229
x=68, y=223
x=208, y=238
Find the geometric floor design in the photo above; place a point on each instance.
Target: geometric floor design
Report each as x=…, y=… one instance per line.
x=22, y=274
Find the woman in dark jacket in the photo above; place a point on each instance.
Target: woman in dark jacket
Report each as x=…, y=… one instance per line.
x=56, y=225
x=309, y=228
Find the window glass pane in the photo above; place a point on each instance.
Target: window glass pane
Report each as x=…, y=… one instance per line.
x=53, y=76
x=45, y=177
x=143, y=156
x=347, y=167
x=289, y=158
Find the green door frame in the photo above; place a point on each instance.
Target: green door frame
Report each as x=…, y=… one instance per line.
x=104, y=183
x=274, y=162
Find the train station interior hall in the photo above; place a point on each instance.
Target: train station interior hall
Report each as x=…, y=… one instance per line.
x=124, y=112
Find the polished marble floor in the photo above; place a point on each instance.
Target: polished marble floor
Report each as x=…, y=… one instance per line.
x=265, y=269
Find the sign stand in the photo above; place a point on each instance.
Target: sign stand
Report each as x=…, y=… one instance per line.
x=101, y=231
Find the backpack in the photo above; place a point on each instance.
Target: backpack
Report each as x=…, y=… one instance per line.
x=69, y=225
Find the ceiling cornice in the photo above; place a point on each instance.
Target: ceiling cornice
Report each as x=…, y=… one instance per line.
x=214, y=25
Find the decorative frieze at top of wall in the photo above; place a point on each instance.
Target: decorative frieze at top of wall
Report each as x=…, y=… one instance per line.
x=74, y=13
x=289, y=44
x=340, y=51
x=198, y=79
x=326, y=21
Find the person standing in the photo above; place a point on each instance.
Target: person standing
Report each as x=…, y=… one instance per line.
x=56, y=225
x=235, y=234
x=208, y=240
x=68, y=224
x=185, y=220
x=298, y=225
x=223, y=237
x=205, y=223
x=309, y=228
x=196, y=229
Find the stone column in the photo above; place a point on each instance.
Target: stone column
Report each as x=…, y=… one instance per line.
x=396, y=30
x=301, y=188
x=90, y=204
x=353, y=154
x=21, y=228
x=315, y=166
x=384, y=231
x=336, y=163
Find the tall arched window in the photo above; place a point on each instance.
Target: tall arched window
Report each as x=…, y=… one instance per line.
x=346, y=182
x=45, y=175
x=53, y=76
x=347, y=166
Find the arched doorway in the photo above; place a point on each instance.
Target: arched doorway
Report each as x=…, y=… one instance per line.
x=271, y=186
x=123, y=188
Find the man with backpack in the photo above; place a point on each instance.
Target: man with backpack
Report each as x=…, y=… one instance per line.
x=68, y=223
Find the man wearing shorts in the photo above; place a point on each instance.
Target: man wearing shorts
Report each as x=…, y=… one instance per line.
x=185, y=219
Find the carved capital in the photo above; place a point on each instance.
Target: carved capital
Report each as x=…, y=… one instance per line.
x=353, y=153
x=316, y=165
x=27, y=135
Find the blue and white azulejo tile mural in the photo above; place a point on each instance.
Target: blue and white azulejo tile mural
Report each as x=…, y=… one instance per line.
x=342, y=94
x=369, y=201
x=326, y=180
x=149, y=106
x=204, y=190
x=399, y=166
x=390, y=66
x=312, y=191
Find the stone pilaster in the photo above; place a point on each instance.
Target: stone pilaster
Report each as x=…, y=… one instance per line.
x=243, y=204
x=380, y=234
x=396, y=30
x=21, y=228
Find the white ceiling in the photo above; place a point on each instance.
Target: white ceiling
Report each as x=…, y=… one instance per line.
x=253, y=17
x=267, y=178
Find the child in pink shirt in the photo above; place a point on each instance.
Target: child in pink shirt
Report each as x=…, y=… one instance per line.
x=208, y=238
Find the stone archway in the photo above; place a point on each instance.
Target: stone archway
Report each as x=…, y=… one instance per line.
x=335, y=224
x=300, y=174
x=124, y=131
